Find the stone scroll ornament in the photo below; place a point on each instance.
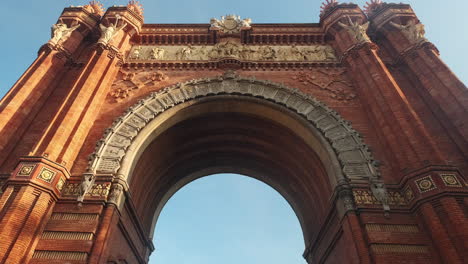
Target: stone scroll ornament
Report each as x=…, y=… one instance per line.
x=355, y=158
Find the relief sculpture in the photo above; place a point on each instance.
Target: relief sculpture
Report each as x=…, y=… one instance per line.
x=233, y=50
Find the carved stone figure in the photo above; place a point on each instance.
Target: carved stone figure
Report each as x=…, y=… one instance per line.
x=246, y=53
x=380, y=193
x=329, y=52
x=115, y=193
x=107, y=33
x=230, y=24
x=200, y=54
x=358, y=31
x=267, y=53
x=313, y=55
x=215, y=24
x=413, y=31
x=185, y=53
x=86, y=183
x=245, y=23
x=157, y=53
x=136, y=53
x=60, y=33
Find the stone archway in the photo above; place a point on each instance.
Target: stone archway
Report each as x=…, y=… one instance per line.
x=113, y=150
x=336, y=155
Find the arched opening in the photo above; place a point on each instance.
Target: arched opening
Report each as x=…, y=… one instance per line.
x=232, y=134
x=266, y=131
x=227, y=218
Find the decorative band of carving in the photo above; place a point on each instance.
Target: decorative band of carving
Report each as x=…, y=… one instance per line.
x=232, y=50
x=67, y=235
x=74, y=216
x=353, y=154
x=232, y=63
x=399, y=248
x=392, y=228
x=367, y=198
x=97, y=190
x=60, y=255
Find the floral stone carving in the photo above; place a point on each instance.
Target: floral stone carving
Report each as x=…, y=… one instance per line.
x=130, y=81
x=330, y=81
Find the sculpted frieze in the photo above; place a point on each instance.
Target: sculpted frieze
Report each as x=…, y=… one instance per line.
x=233, y=50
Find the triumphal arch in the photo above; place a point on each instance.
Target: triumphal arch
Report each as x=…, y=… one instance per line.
x=355, y=120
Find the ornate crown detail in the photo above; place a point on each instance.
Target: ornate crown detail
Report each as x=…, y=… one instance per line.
x=372, y=6
x=95, y=7
x=136, y=7
x=230, y=24
x=327, y=6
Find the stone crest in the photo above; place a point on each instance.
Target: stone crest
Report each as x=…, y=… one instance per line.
x=230, y=24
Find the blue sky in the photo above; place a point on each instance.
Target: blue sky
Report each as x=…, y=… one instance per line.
x=223, y=218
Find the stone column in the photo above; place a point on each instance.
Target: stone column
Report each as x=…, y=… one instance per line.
x=395, y=121
x=399, y=27
x=25, y=206
x=25, y=99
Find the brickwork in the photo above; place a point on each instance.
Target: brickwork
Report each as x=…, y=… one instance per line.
x=389, y=91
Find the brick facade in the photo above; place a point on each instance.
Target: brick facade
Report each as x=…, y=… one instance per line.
x=364, y=133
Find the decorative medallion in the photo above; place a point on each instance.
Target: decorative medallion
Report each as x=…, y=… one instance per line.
x=60, y=184
x=230, y=24
x=425, y=184
x=408, y=193
x=46, y=175
x=26, y=170
x=450, y=180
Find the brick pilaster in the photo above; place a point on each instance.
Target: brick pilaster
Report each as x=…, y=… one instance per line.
x=25, y=99
x=31, y=193
x=445, y=93
x=439, y=235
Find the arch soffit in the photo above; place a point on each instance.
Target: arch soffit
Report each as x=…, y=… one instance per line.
x=353, y=155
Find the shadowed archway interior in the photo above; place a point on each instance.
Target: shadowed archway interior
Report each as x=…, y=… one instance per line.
x=234, y=134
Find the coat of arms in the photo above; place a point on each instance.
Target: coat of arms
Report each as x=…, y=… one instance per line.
x=230, y=24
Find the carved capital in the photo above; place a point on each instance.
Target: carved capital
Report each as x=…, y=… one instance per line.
x=116, y=195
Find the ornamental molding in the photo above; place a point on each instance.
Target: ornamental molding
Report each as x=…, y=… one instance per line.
x=232, y=50
x=354, y=156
